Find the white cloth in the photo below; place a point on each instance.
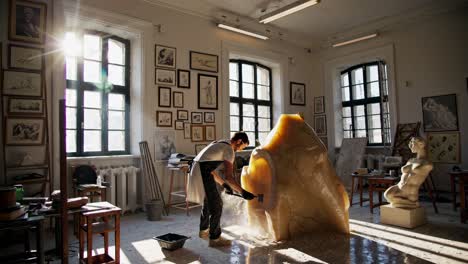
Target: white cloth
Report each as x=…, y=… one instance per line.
x=216, y=151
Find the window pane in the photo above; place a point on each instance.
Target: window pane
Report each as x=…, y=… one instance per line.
x=375, y=136
x=348, y=134
x=251, y=136
x=248, y=110
x=71, y=68
x=374, y=121
x=116, y=120
x=263, y=111
x=264, y=124
x=360, y=122
x=372, y=73
x=344, y=80
x=263, y=76
x=92, y=119
x=116, y=74
x=234, y=88
x=263, y=92
x=247, y=73
x=71, y=140
x=357, y=76
x=373, y=89
x=233, y=74
x=235, y=123
x=116, y=52
x=358, y=110
x=360, y=133
x=247, y=90
x=262, y=137
x=234, y=108
x=358, y=92
x=92, y=140
x=248, y=124
x=92, y=99
x=92, y=71
x=71, y=117
x=92, y=47
x=373, y=109
x=346, y=111
x=116, y=140
x=385, y=87
x=345, y=94
x=347, y=124
x=116, y=101
x=70, y=97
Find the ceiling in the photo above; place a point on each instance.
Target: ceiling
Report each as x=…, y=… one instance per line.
x=319, y=22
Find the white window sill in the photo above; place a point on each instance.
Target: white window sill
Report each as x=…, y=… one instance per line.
x=113, y=157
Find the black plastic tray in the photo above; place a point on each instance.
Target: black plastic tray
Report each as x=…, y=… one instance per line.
x=171, y=241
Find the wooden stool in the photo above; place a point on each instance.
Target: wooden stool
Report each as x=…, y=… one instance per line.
x=185, y=205
x=100, y=227
x=379, y=184
x=360, y=178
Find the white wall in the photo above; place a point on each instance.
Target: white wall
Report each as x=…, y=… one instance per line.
x=430, y=54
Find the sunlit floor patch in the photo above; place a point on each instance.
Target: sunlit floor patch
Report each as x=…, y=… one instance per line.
x=298, y=256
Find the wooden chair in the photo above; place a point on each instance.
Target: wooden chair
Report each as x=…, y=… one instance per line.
x=84, y=183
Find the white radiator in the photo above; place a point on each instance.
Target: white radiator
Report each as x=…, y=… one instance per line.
x=123, y=189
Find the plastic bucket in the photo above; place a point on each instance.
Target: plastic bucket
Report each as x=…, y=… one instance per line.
x=154, y=210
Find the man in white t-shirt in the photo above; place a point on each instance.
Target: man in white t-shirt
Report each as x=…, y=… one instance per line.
x=202, y=189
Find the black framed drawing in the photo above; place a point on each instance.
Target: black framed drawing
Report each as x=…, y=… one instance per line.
x=164, y=97
x=209, y=117
x=179, y=125
x=320, y=125
x=440, y=113
x=183, y=78
x=197, y=118
x=27, y=21
x=163, y=76
x=297, y=93
x=203, y=61
x=163, y=119
x=178, y=99
x=207, y=91
x=182, y=114
x=22, y=83
x=25, y=106
x=164, y=56
x=319, y=104
x=24, y=131
x=25, y=58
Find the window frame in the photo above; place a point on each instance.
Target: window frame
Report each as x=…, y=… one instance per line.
x=240, y=100
x=80, y=86
x=383, y=97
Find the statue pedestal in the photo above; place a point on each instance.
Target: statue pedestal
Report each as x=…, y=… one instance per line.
x=409, y=218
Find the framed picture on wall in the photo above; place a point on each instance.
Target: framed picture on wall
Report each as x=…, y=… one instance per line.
x=25, y=106
x=183, y=78
x=297, y=93
x=210, y=133
x=197, y=118
x=27, y=21
x=444, y=147
x=197, y=133
x=24, y=131
x=164, y=97
x=187, y=130
x=21, y=156
x=178, y=99
x=207, y=91
x=165, y=56
x=440, y=113
x=22, y=83
x=203, y=61
x=166, y=77
x=320, y=124
x=209, y=117
x=199, y=147
x=179, y=125
x=182, y=114
x=26, y=58
x=163, y=119
x=319, y=104
x=165, y=142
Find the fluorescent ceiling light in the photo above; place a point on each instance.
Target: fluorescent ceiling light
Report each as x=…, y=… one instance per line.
x=245, y=32
x=354, y=40
x=287, y=10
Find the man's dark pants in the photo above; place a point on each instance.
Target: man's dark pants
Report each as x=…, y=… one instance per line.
x=212, y=205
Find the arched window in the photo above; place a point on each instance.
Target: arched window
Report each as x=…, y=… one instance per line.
x=364, y=93
x=250, y=93
x=97, y=94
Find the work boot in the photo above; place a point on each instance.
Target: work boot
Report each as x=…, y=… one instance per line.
x=204, y=234
x=219, y=242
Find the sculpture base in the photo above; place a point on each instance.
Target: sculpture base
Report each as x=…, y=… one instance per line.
x=409, y=218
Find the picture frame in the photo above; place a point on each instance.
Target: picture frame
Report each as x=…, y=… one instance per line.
x=25, y=106
x=27, y=21
x=203, y=61
x=199, y=147
x=187, y=130
x=165, y=142
x=207, y=91
x=183, y=78
x=178, y=99
x=197, y=133
x=297, y=93
x=165, y=56
x=210, y=133
x=163, y=119
x=320, y=125
x=22, y=156
x=24, y=131
x=22, y=83
x=440, y=113
x=164, y=96
x=197, y=118
x=179, y=125
x=182, y=115
x=25, y=58
x=166, y=77
x=443, y=147
x=319, y=105
x=209, y=117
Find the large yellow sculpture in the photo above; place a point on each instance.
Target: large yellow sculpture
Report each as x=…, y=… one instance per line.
x=302, y=192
